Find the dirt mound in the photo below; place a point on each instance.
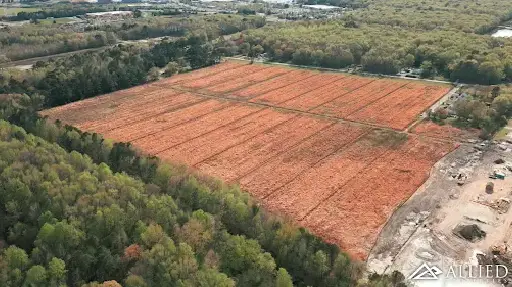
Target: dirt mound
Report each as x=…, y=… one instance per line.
x=470, y=232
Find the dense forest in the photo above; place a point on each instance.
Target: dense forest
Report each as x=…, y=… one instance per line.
x=66, y=9
x=443, y=38
x=89, y=74
x=70, y=221
x=37, y=40
x=58, y=11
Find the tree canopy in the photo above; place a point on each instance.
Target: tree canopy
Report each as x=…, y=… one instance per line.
x=389, y=35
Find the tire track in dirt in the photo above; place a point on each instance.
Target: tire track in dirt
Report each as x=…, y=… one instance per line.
x=170, y=110
x=251, y=126
x=375, y=100
x=283, y=152
x=308, y=168
x=348, y=92
x=295, y=90
x=246, y=140
x=293, y=163
x=160, y=150
x=158, y=124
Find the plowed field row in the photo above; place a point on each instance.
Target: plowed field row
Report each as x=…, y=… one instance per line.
x=131, y=132
x=351, y=102
x=355, y=214
x=244, y=81
x=200, y=73
x=286, y=167
x=335, y=171
x=257, y=151
x=275, y=83
x=296, y=89
x=166, y=139
x=240, y=122
x=102, y=105
x=382, y=102
x=171, y=101
x=318, y=97
x=222, y=76
x=201, y=148
x=400, y=108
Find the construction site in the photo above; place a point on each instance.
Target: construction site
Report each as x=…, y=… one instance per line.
x=459, y=216
x=355, y=160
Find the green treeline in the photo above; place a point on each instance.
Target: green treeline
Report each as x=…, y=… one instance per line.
x=58, y=11
x=341, y=3
x=90, y=74
x=32, y=40
x=70, y=221
x=442, y=38
x=485, y=108
x=57, y=188
x=78, y=210
x=63, y=9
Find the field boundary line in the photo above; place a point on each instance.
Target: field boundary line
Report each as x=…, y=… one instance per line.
x=248, y=139
x=372, y=102
x=227, y=78
x=272, y=90
x=316, y=162
x=324, y=116
x=217, y=128
x=382, y=154
x=188, y=73
x=226, y=93
x=259, y=165
x=312, y=114
x=125, y=113
x=186, y=122
x=402, y=104
x=446, y=96
x=340, y=70
x=301, y=94
x=173, y=109
x=343, y=94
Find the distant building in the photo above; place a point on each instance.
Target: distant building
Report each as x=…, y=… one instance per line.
x=322, y=7
x=109, y=15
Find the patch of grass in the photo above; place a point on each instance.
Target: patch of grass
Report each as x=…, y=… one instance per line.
x=11, y=11
x=501, y=134
x=388, y=139
x=54, y=21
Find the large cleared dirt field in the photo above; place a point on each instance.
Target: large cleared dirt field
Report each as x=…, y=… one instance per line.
x=328, y=150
